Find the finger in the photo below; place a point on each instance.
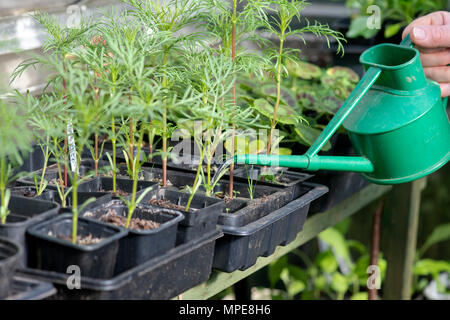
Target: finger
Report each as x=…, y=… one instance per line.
x=430, y=50
x=438, y=74
x=445, y=89
x=431, y=36
x=436, y=59
x=438, y=18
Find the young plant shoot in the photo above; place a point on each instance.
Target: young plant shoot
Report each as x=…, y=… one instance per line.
x=60, y=44
x=169, y=18
x=279, y=24
x=15, y=139
x=232, y=27
x=41, y=114
x=128, y=71
x=209, y=119
x=86, y=118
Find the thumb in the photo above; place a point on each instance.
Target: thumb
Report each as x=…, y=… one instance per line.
x=431, y=36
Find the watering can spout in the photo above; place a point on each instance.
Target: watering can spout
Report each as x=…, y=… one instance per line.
x=335, y=163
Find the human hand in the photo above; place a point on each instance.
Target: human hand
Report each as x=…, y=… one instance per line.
x=431, y=35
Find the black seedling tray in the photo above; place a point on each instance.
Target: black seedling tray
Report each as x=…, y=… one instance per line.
x=105, y=185
x=100, y=198
x=162, y=277
x=47, y=252
x=286, y=178
x=201, y=218
x=241, y=210
x=10, y=253
x=24, y=191
x=241, y=246
x=289, y=180
x=53, y=196
x=180, y=180
x=173, y=163
x=23, y=288
x=25, y=212
x=51, y=173
x=252, y=210
x=34, y=160
x=141, y=245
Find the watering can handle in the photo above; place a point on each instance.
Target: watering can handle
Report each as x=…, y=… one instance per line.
x=363, y=86
x=407, y=42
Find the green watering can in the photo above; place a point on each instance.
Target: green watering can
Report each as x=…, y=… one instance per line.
x=399, y=129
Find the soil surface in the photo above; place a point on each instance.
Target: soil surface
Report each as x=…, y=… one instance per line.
x=81, y=240
x=54, y=182
x=29, y=194
x=25, y=193
x=283, y=179
x=118, y=192
x=166, y=204
x=222, y=195
x=262, y=199
x=135, y=223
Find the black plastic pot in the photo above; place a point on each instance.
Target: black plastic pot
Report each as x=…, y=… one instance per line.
x=177, y=162
x=34, y=160
x=156, y=161
x=268, y=197
x=244, y=211
x=286, y=178
x=141, y=245
x=48, y=252
x=180, y=180
x=242, y=245
x=289, y=180
x=100, y=198
x=105, y=185
x=53, y=196
x=174, y=162
x=199, y=220
x=51, y=173
x=23, y=288
x=24, y=191
x=10, y=254
x=162, y=277
x=24, y=214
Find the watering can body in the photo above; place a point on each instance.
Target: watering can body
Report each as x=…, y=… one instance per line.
x=395, y=118
x=400, y=124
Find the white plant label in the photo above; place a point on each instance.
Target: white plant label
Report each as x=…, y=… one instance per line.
x=72, y=149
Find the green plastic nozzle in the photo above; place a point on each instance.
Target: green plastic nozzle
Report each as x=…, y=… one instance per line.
x=336, y=163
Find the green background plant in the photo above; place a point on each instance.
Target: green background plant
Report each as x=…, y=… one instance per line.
x=396, y=13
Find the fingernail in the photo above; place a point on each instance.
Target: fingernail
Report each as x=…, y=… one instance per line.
x=419, y=33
